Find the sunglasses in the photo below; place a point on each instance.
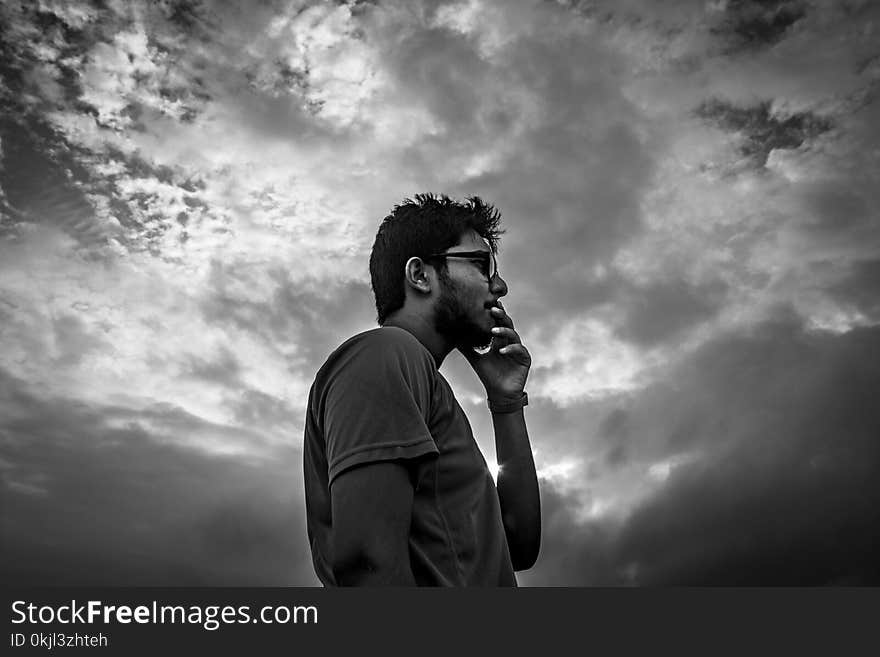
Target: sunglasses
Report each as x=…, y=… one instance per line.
x=486, y=260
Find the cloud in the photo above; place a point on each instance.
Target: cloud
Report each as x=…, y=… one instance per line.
x=780, y=485
x=36, y=186
x=90, y=501
x=763, y=132
x=305, y=318
x=755, y=24
x=662, y=310
x=861, y=288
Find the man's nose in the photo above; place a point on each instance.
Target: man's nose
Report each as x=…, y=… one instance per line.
x=498, y=285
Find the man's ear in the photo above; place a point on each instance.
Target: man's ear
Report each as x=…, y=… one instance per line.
x=417, y=275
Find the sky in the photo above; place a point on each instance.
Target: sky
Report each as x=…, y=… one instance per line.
x=188, y=196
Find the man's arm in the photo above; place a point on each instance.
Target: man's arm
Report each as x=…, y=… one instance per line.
x=503, y=370
x=517, y=485
x=372, y=508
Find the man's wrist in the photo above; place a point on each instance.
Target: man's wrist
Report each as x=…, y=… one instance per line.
x=508, y=405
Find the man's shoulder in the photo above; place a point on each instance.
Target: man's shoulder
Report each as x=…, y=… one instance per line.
x=382, y=339
x=376, y=346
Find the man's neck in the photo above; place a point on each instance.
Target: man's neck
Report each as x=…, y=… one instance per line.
x=423, y=329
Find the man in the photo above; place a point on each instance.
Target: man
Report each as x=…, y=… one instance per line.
x=397, y=490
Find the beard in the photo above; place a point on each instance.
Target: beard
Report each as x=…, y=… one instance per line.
x=452, y=321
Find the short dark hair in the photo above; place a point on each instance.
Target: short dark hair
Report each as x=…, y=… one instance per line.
x=419, y=227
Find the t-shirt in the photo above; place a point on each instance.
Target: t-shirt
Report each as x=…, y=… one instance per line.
x=380, y=397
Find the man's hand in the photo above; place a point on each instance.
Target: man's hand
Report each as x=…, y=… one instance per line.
x=505, y=367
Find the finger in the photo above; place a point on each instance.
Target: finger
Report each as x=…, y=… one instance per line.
x=517, y=349
x=507, y=333
x=501, y=317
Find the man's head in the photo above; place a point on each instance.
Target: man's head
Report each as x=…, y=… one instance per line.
x=422, y=227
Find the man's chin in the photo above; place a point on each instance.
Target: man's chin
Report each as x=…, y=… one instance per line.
x=460, y=330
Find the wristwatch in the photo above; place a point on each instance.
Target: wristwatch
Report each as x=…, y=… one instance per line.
x=509, y=406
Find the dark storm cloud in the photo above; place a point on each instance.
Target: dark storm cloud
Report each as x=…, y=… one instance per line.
x=761, y=130
x=785, y=490
x=738, y=26
x=755, y=24
x=88, y=502
x=662, y=310
x=741, y=25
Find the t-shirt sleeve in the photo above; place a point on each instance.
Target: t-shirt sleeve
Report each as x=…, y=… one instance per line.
x=377, y=404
